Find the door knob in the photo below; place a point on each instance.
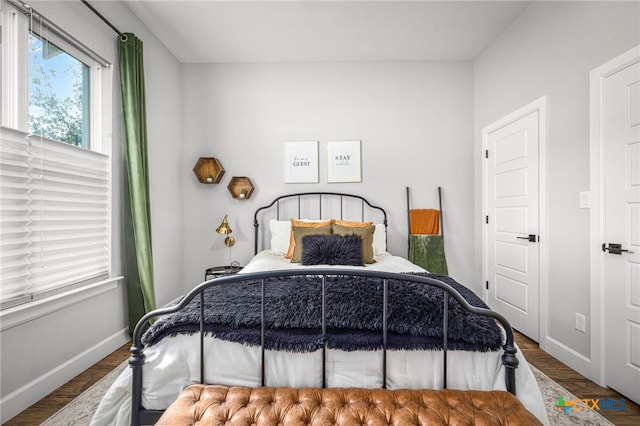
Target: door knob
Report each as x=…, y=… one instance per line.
x=532, y=238
x=614, y=248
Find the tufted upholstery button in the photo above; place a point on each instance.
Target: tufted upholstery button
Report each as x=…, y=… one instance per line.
x=214, y=405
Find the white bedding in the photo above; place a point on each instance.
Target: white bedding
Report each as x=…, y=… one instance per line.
x=173, y=363
x=268, y=260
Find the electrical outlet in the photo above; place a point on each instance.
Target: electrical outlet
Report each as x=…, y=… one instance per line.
x=585, y=199
x=581, y=323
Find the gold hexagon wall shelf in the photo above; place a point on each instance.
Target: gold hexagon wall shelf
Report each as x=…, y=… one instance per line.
x=240, y=187
x=208, y=170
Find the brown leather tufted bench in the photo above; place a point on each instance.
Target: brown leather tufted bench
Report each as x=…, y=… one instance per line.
x=222, y=405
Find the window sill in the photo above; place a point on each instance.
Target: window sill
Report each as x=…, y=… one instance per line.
x=17, y=315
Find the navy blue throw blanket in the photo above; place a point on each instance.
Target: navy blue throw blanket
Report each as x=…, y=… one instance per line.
x=293, y=309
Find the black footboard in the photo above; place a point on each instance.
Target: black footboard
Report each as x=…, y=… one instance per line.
x=137, y=360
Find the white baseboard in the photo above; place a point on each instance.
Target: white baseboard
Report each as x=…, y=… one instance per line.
x=568, y=356
x=22, y=398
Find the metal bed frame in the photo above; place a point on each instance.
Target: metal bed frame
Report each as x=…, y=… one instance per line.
x=139, y=415
x=297, y=198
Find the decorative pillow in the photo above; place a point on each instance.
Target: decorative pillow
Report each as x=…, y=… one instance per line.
x=352, y=224
x=280, y=235
x=365, y=232
x=299, y=232
x=304, y=222
x=332, y=250
x=379, y=234
x=380, y=239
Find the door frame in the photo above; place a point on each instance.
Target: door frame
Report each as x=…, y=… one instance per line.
x=597, y=78
x=539, y=105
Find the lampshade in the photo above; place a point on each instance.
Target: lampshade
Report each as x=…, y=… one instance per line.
x=225, y=229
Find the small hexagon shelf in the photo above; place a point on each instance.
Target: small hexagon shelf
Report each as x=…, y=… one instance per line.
x=240, y=187
x=208, y=170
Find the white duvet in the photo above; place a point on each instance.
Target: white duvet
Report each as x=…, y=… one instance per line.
x=174, y=363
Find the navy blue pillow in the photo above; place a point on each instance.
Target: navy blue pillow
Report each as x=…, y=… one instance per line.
x=332, y=250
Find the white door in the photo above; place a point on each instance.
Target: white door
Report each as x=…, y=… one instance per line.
x=511, y=221
x=621, y=198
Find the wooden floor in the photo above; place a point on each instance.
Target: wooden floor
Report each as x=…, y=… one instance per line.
x=578, y=385
x=575, y=383
x=50, y=404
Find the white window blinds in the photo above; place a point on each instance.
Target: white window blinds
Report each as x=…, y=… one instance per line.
x=54, y=217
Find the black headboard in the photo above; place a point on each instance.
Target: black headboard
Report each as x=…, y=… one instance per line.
x=336, y=204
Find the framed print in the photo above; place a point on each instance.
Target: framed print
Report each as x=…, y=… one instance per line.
x=301, y=162
x=344, y=163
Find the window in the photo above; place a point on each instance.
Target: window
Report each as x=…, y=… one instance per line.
x=58, y=93
x=55, y=183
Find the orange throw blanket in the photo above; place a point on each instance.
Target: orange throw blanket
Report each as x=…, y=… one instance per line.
x=424, y=221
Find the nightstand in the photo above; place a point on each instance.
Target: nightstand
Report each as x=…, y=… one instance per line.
x=221, y=271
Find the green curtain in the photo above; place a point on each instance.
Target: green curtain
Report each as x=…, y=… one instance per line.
x=137, y=218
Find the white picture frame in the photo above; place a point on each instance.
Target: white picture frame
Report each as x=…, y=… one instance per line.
x=344, y=163
x=301, y=162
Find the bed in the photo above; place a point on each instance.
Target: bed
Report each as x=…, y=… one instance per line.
x=383, y=323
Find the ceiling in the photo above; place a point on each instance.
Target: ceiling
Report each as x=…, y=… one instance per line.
x=217, y=31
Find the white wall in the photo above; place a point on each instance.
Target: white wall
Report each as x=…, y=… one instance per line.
x=414, y=120
x=40, y=355
x=549, y=50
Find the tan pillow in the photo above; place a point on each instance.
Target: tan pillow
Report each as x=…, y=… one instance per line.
x=299, y=232
x=352, y=224
x=301, y=223
x=365, y=232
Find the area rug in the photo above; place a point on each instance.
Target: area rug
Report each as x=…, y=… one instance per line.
x=80, y=411
x=555, y=395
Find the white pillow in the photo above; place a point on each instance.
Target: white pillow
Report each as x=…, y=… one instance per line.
x=280, y=235
x=379, y=239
